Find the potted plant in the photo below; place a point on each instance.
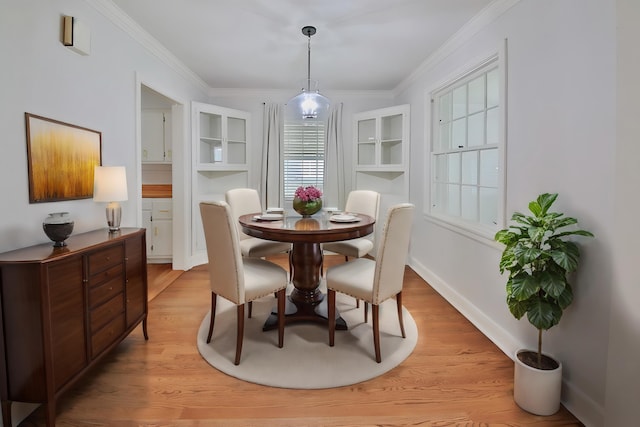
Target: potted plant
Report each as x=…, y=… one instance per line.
x=539, y=260
x=307, y=200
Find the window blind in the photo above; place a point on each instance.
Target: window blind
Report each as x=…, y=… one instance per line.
x=303, y=157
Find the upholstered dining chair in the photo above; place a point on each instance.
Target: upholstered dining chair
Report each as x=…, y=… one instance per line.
x=234, y=277
x=245, y=201
x=375, y=281
x=365, y=202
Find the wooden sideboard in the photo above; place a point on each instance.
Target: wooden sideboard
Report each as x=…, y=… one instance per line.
x=64, y=308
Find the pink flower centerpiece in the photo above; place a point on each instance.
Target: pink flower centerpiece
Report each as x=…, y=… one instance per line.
x=307, y=200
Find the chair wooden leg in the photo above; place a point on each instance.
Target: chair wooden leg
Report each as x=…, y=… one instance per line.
x=240, y=333
x=376, y=331
x=366, y=312
x=250, y=309
x=331, y=314
x=290, y=264
x=400, y=319
x=281, y=303
x=213, y=316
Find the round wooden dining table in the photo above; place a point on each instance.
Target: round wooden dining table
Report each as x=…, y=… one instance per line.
x=306, y=302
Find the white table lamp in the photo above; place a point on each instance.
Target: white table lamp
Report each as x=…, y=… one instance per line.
x=110, y=185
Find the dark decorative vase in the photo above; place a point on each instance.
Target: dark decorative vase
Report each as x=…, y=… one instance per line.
x=306, y=208
x=58, y=227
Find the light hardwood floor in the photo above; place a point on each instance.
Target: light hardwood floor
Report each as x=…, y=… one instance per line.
x=455, y=376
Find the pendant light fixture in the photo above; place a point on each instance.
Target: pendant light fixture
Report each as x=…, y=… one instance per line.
x=309, y=105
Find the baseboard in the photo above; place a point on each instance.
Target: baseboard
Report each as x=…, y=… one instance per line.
x=580, y=405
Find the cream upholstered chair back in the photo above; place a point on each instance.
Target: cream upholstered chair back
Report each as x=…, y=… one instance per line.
x=365, y=202
x=243, y=201
x=393, y=248
x=223, y=250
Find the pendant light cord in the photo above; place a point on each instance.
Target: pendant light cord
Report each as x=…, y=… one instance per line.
x=309, y=65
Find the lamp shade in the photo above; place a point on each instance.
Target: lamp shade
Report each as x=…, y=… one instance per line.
x=110, y=184
x=308, y=106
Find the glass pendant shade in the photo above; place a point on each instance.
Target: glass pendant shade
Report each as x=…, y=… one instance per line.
x=307, y=107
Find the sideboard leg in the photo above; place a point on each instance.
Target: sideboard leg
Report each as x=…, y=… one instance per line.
x=50, y=411
x=144, y=328
x=6, y=412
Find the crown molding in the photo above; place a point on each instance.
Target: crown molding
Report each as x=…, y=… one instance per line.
x=112, y=12
x=487, y=15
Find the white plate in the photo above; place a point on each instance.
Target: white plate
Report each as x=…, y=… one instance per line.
x=275, y=211
x=344, y=218
x=269, y=217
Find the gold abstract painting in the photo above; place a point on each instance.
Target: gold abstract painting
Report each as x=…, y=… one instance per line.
x=62, y=158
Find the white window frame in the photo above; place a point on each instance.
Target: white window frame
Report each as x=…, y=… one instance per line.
x=309, y=153
x=457, y=223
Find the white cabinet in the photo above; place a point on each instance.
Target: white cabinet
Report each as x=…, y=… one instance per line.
x=220, y=157
x=381, y=151
x=156, y=136
x=157, y=218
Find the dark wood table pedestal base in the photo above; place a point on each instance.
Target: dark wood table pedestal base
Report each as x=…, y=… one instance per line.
x=296, y=312
x=306, y=303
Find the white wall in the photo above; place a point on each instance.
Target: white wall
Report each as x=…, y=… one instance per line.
x=561, y=138
x=623, y=374
x=41, y=76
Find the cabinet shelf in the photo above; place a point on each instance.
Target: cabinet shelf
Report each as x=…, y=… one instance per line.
x=221, y=158
x=382, y=151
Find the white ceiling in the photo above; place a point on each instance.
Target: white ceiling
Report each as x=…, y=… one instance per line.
x=359, y=44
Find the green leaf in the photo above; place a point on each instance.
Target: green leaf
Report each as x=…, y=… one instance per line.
x=575, y=233
x=546, y=200
x=535, y=208
x=520, y=218
x=526, y=255
x=566, y=298
x=565, y=254
x=517, y=308
x=505, y=236
x=552, y=283
x=563, y=222
x=523, y=286
x=543, y=314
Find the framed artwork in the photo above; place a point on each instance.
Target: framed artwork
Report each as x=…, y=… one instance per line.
x=61, y=159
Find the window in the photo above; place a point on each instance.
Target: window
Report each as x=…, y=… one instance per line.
x=466, y=150
x=303, y=156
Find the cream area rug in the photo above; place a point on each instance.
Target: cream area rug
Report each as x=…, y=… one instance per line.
x=306, y=361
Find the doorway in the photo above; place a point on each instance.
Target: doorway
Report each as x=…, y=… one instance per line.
x=157, y=171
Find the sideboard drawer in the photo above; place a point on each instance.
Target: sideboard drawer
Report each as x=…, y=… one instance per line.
x=105, y=291
x=105, y=258
x=114, y=272
x=102, y=314
x=107, y=335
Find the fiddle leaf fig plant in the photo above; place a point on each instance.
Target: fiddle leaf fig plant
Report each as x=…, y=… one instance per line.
x=539, y=260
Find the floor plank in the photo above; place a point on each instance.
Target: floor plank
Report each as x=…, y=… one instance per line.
x=455, y=376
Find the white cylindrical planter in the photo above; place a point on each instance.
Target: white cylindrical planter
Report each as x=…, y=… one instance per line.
x=536, y=390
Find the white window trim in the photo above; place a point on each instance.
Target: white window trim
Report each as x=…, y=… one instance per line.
x=470, y=229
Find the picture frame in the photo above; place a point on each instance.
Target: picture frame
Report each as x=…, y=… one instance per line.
x=61, y=159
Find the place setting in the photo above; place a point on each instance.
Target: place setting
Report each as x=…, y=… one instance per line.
x=272, y=214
